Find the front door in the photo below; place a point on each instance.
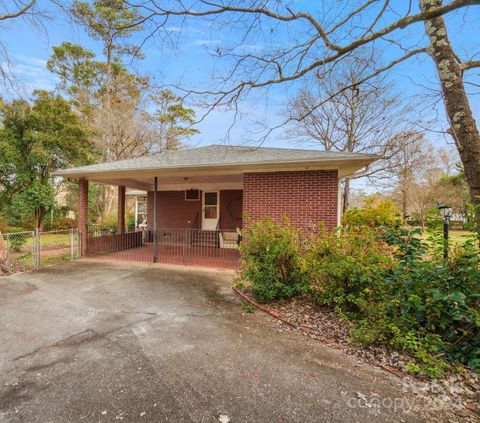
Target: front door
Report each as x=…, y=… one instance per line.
x=210, y=212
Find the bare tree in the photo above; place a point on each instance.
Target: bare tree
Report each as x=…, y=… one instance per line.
x=411, y=164
x=125, y=128
x=425, y=177
x=364, y=118
x=11, y=10
x=319, y=40
x=15, y=9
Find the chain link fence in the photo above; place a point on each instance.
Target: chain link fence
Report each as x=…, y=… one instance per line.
x=21, y=251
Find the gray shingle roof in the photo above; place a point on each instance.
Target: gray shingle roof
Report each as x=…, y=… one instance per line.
x=219, y=155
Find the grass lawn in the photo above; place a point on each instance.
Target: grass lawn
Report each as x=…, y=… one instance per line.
x=55, y=239
x=455, y=236
x=54, y=249
x=25, y=260
x=60, y=240
x=48, y=241
x=57, y=259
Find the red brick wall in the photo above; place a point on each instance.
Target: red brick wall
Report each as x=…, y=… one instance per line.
x=231, y=209
x=306, y=197
x=173, y=211
x=112, y=243
x=83, y=215
x=121, y=210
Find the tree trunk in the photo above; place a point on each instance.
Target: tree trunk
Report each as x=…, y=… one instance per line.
x=404, y=204
x=404, y=193
x=38, y=218
x=346, y=195
x=109, y=74
x=463, y=126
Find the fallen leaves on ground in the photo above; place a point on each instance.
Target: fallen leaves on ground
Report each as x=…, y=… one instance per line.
x=458, y=391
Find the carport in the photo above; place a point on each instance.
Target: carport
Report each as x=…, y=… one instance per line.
x=197, y=199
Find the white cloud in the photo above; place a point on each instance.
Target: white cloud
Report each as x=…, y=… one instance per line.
x=204, y=42
x=249, y=48
x=173, y=29
x=28, y=74
x=30, y=60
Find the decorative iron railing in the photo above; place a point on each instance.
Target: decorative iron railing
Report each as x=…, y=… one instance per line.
x=170, y=245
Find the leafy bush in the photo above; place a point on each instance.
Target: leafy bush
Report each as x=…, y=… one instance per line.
x=61, y=223
x=397, y=289
x=375, y=212
x=401, y=293
x=130, y=222
x=110, y=221
x=271, y=260
x=345, y=267
x=3, y=226
x=437, y=300
x=16, y=242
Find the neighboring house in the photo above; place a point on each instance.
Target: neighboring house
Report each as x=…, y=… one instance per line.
x=140, y=207
x=61, y=192
x=198, y=198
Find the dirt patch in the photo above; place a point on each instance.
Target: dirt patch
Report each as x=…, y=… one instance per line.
x=54, y=252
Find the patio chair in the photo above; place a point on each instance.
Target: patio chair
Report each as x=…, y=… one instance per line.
x=229, y=239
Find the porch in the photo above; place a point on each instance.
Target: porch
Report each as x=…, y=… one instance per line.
x=191, y=247
x=190, y=220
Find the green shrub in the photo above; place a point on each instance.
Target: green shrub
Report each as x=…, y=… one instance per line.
x=61, y=223
x=346, y=268
x=401, y=293
x=272, y=260
x=397, y=289
x=3, y=226
x=376, y=212
x=110, y=221
x=16, y=242
x=437, y=299
x=130, y=222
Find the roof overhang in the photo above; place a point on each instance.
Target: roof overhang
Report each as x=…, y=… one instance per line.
x=141, y=178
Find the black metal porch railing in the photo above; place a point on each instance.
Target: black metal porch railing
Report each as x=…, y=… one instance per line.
x=187, y=246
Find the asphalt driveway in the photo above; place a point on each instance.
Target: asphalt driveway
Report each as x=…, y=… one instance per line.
x=109, y=342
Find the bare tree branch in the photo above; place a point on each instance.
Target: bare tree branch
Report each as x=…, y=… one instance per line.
x=17, y=13
x=470, y=64
x=314, y=43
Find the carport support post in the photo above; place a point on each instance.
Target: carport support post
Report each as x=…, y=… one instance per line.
x=121, y=210
x=155, y=188
x=83, y=215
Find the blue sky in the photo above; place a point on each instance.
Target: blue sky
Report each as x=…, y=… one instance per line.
x=191, y=64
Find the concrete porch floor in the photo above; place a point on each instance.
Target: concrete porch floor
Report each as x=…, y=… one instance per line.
x=97, y=341
x=213, y=257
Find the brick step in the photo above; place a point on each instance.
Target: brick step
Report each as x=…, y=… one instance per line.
x=205, y=239
x=205, y=244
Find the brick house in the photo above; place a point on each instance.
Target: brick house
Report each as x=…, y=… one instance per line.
x=197, y=198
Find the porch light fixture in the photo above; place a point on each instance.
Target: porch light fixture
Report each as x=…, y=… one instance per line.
x=446, y=213
x=191, y=193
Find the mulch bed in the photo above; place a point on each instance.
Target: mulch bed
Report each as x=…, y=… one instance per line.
x=457, y=391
